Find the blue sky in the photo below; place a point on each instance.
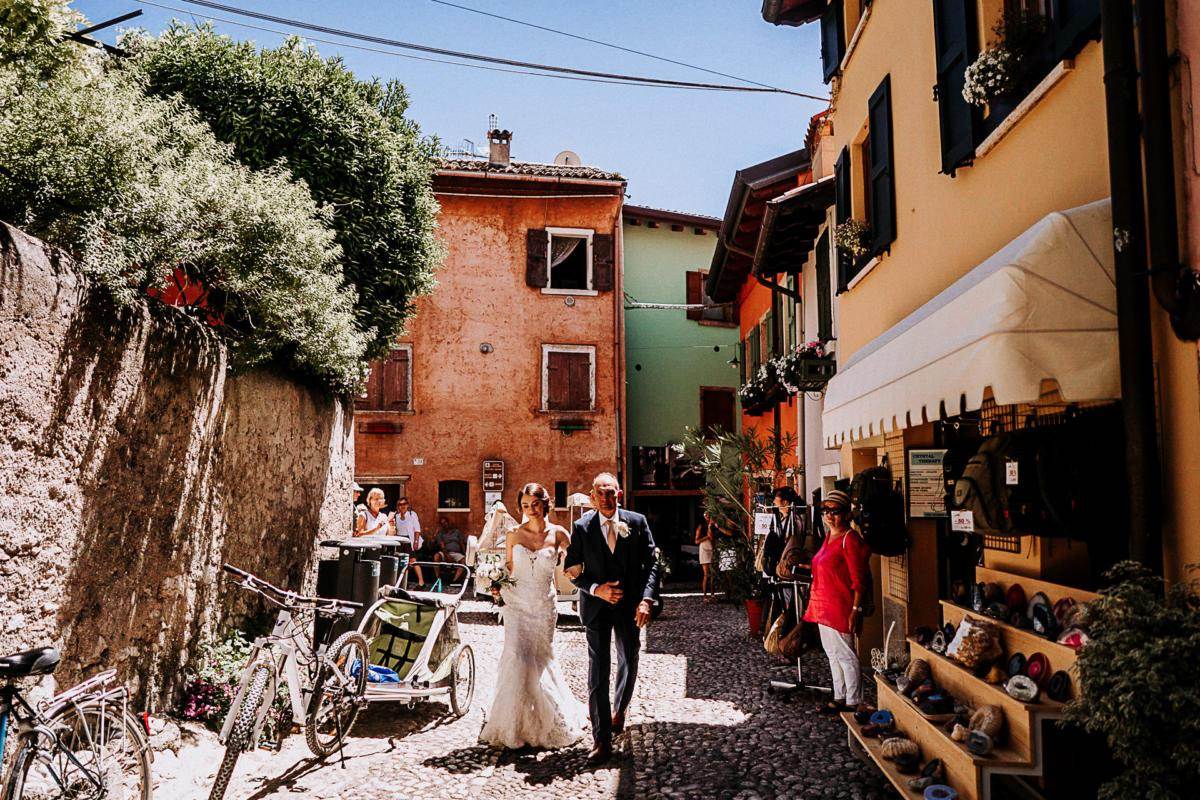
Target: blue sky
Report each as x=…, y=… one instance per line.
x=678, y=149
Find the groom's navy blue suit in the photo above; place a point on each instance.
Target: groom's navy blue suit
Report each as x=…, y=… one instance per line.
x=634, y=566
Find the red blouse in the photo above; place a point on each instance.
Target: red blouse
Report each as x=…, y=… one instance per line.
x=839, y=568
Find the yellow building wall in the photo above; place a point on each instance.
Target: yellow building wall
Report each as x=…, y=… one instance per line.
x=1053, y=159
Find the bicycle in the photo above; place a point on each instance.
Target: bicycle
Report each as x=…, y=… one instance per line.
x=326, y=705
x=81, y=744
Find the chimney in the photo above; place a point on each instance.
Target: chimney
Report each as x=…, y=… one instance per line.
x=498, y=143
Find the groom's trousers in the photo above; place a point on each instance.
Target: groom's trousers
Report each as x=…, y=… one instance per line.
x=600, y=632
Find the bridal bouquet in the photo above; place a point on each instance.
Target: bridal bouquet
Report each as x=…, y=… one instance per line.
x=494, y=574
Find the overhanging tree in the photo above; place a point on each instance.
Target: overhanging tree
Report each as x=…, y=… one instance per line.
x=348, y=139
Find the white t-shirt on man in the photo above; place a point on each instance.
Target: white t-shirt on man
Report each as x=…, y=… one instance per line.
x=408, y=528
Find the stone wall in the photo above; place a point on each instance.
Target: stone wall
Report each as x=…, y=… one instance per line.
x=132, y=465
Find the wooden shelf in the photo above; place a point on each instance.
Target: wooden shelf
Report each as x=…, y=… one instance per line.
x=973, y=688
x=888, y=768
x=1019, y=640
x=1032, y=586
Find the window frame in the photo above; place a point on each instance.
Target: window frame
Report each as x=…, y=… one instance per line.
x=448, y=510
x=547, y=349
x=364, y=396
x=573, y=233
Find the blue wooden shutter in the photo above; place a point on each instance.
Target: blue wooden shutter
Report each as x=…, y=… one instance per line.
x=833, y=39
x=1072, y=22
x=824, y=300
x=954, y=32
x=841, y=186
x=880, y=170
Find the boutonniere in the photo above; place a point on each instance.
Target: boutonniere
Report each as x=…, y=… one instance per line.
x=622, y=529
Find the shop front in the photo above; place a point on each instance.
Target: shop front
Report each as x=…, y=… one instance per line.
x=995, y=407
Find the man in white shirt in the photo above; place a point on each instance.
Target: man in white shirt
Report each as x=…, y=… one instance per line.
x=408, y=528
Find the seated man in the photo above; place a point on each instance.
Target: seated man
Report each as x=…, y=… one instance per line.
x=450, y=544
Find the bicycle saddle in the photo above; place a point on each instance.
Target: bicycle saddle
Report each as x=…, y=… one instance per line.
x=41, y=661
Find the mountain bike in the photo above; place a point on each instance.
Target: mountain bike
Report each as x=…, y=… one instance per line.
x=82, y=744
x=326, y=687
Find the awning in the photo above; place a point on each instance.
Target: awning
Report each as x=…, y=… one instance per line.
x=790, y=226
x=1043, y=307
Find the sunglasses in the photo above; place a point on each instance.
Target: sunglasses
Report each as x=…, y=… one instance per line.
x=829, y=512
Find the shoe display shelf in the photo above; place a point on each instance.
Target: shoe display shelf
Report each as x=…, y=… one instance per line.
x=872, y=748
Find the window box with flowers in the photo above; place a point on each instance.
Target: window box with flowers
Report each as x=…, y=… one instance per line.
x=806, y=369
x=853, y=237
x=762, y=390
x=1004, y=73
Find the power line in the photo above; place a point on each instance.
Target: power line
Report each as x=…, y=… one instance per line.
x=601, y=43
x=624, y=78
x=381, y=51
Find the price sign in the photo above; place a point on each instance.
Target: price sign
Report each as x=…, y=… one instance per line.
x=493, y=476
x=762, y=524
x=1010, y=473
x=962, y=521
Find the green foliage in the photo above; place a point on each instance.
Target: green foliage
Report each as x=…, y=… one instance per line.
x=729, y=463
x=138, y=190
x=212, y=688
x=31, y=34
x=1139, y=683
x=347, y=139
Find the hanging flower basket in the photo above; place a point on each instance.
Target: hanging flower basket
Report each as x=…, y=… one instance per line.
x=854, y=237
x=761, y=391
x=806, y=369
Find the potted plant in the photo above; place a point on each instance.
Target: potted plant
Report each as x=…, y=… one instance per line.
x=1138, y=683
x=761, y=389
x=727, y=461
x=806, y=369
x=1001, y=74
x=853, y=237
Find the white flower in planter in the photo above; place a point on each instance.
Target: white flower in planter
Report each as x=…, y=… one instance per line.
x=853, y=236
x=993, y=74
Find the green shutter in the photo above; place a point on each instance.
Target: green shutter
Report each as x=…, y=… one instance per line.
x=880, y=168
x=824, y=300
x=954, y=32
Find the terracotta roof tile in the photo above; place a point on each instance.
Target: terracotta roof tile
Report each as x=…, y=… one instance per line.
x=527, y=168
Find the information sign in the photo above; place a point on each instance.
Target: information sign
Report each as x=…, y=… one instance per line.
x=926, y=484
x=493, y=476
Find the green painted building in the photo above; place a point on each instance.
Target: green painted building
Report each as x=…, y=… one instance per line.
x=678, y=365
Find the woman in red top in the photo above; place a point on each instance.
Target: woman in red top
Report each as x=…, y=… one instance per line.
x=840, y=571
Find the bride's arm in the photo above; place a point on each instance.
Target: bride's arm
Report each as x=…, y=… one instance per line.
x=508, y=548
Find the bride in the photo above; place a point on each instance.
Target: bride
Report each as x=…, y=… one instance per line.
x=533, y=706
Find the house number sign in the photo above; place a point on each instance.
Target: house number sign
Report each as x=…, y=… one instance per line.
x=493, y=476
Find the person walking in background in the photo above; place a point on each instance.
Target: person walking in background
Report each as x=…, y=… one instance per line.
x=374, y=522
x=840, y=585
x=704, y=540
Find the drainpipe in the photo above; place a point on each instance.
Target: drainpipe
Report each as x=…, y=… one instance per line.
x=1174, y=285
x=1134, y=342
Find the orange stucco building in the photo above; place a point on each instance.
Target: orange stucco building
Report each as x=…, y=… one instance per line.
x=517, y=355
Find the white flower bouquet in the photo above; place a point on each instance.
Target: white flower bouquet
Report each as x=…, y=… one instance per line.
x=493, y=574
x=995, y=73
x=853, y=236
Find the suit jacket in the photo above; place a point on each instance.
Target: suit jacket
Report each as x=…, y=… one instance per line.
x=633, y=564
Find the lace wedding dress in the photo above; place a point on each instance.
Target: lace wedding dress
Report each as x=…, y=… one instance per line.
x=533, y=706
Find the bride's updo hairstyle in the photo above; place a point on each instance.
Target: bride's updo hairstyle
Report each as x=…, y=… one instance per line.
x=537, y=492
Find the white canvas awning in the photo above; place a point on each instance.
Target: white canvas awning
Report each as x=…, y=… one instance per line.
x=1043, y=307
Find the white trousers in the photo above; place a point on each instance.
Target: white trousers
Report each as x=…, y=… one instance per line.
x=843, y=663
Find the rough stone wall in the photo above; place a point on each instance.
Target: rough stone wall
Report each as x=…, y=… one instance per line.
x=132, y=465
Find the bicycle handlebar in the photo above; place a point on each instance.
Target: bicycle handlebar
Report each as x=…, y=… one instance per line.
x=328, y=605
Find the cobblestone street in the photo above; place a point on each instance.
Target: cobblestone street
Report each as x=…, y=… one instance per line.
x=702, y=725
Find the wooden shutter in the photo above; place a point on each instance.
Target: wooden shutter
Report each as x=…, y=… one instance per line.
x=395, y=381
x=557, y=380
x=841, y=188
x=537, y=245
x=954, y=32
x=1072, y=22
x=603, y=262
x=695, y=293
x=833, y=39
x=569, y=379
x=824, y=300
x=755, y=354
x=716, y=409
x=743, y=367
x=880, y=169
x=373, y=397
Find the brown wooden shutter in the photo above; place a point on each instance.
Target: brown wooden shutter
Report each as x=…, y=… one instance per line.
x=695, y=294
x=537, y=244
x=373, y=400
x=557, y=377
x=580, y=394
x=603, y=262
x=395, y=381
x=716, y=409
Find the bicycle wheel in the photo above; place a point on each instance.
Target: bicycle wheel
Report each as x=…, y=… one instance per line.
x=337, y=694
x=462, y=681
x=243, y=727
x=98, y=751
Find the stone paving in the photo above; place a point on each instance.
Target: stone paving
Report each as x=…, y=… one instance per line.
x=702, y=725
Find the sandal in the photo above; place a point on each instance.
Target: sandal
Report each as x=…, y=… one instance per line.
x=833, y=707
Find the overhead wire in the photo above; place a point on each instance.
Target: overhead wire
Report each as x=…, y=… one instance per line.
x=622, y=48
x=568, y=71
x=381, y=51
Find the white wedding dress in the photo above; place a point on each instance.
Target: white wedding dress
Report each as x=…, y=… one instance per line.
x=533, y=706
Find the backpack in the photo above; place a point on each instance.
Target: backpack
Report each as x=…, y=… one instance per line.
x=878, y=510
x=981, y=488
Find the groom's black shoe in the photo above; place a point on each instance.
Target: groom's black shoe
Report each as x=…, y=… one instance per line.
x=600, y=754
x=618, y=723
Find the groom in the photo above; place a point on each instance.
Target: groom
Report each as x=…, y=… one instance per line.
x=611, y=559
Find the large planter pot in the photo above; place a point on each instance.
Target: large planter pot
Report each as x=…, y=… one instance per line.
x=754, y=614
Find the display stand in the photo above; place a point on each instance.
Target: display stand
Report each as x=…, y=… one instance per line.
x=800, y=590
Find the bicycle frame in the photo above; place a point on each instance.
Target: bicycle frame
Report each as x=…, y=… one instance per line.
x=278, y=649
